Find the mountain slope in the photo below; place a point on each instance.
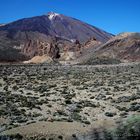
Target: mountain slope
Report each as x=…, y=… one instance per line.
x=49, y=35
x=54, y=24
x=124, y=47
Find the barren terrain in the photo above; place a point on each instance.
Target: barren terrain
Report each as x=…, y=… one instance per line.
x=66, y=100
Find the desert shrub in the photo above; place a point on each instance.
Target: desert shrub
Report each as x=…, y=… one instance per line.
x=126, y=130
x=12, y=137
x=101, y=61
x=75, y=116
x=9, y=54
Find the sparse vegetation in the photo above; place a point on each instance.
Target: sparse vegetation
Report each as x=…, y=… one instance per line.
x=31, y=94
x=101, y=61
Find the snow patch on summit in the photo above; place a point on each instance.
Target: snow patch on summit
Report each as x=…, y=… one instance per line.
x=52, y=15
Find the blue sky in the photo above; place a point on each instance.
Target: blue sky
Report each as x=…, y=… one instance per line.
x=114, y=16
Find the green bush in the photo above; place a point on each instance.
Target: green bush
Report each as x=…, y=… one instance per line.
x=128, y=130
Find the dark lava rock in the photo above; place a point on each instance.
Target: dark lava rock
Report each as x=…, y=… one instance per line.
x=110, y=114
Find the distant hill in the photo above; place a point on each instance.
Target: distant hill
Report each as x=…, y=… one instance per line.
x=124, y=47
x=2, y=24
